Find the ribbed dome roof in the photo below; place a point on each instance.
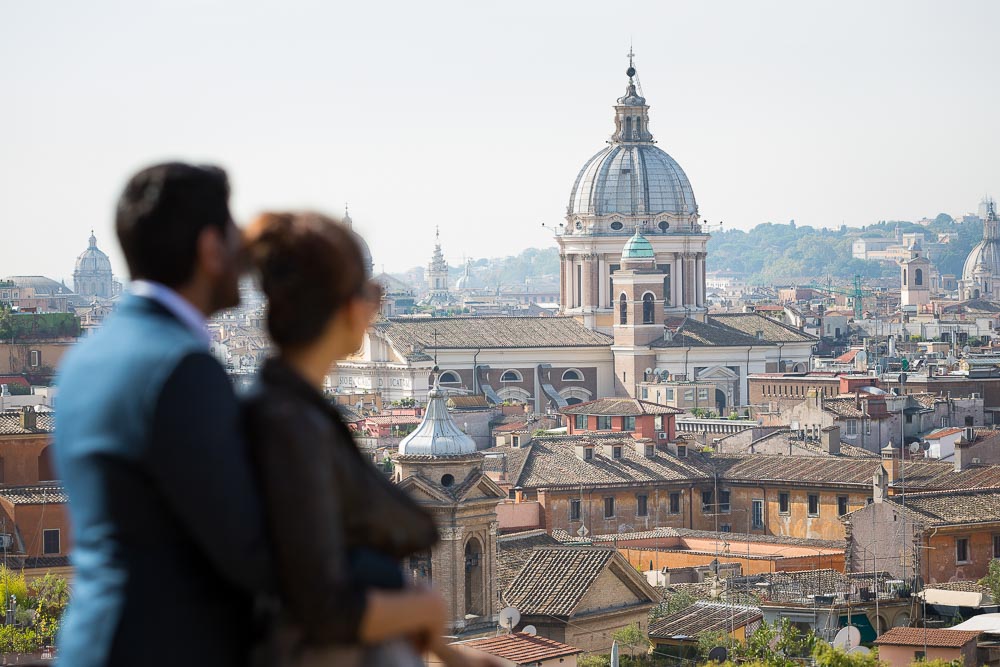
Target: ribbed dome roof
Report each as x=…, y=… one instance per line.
x=637, y=247
x=637, y=179
x=438, y=434
x=93, y=260
x=632, y=176
x=987, y=251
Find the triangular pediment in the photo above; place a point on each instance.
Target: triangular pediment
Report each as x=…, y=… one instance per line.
x=482, y=488
x=422, y=490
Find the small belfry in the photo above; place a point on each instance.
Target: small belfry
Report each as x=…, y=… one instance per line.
x=915, y=277
x=439, y=466
x=628, y=186
x=437, y=275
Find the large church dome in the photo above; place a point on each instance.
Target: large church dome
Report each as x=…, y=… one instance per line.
x=93, y=259
x=632, y=176
x=92, y=276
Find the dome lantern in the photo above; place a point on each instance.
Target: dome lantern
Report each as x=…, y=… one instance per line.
x=632, y=176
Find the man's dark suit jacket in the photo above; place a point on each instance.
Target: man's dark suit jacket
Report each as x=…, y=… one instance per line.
x=169, y=539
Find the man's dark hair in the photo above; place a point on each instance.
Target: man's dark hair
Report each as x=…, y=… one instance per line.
x=161, y=213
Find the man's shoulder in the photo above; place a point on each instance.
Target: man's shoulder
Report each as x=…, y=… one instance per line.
x=144, y=347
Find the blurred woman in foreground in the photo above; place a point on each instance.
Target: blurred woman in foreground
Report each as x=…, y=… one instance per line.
x=339, y=529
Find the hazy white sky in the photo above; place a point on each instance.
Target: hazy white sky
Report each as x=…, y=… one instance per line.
x=477, y=116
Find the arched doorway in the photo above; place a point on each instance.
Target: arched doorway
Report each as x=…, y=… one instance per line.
x=720, y=401
x=473, y=577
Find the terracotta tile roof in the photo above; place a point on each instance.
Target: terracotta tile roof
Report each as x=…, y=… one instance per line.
x=514, y=551
x=555, y=579
x=847, y=357
x=952, y=507
x=551, y=461
x=845, y=406
x=942, y=433
x=506, y=459
x=523, y=649
x=627, y=407
x=701, y=617
x=688, y=332
x=38, y=494
x=393, y=419
x=936, y=637
x=511, y=427
x=10, y=423
x=963, y=586
x=727, y=537
x=751, y=323
x=489, y=333
x=846, y=471
x=467, y=402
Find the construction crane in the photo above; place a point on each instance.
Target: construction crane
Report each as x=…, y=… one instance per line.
x=857, y=294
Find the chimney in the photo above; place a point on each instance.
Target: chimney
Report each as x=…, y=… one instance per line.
x=29, y=419
x=880, y=485
x=963, y=453
x=830, y=440
x=892, y=462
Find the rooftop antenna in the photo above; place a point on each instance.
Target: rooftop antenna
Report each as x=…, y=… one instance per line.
x=435, y=348
x=509, y=618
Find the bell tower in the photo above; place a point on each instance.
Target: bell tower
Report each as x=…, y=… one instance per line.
x=440, y=467
x=640, y=286
x=915, y=278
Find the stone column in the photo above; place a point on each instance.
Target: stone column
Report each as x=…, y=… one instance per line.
x=700, y=277
x=602, y=282
x=679, y=282
x=563, y=282
x=586, y=280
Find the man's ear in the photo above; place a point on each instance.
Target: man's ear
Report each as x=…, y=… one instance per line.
x=211, y=251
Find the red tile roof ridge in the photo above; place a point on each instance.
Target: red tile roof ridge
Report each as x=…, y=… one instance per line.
x=936, y=637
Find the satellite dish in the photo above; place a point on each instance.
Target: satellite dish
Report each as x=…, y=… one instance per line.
x=914, y=447
x=863, y=650
x=648, y=371
x=966, y=349
x=925, y=445
x=848, y=637
x=718, y=654
x=530, y=630
x=510, y=617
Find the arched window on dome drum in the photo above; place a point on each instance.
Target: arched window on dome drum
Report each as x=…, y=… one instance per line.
x=628, y=128
x=623, y=309
x=904, y=276
x=647, y=308
x=918, y=277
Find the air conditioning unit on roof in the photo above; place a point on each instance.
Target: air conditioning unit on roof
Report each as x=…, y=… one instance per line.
x=661, y=435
